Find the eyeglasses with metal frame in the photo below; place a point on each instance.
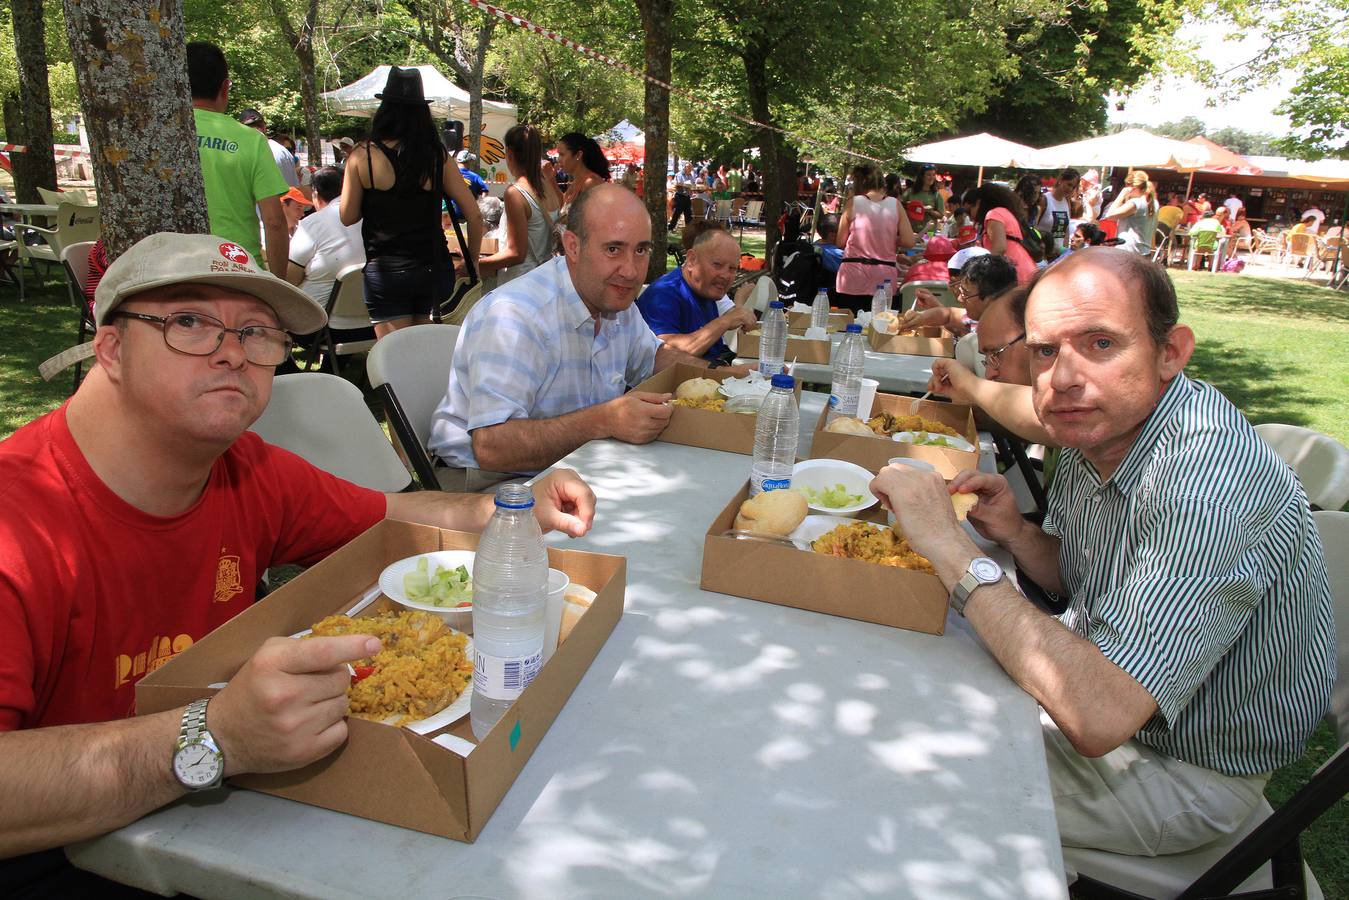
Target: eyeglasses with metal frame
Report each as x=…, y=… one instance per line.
x=196, y=334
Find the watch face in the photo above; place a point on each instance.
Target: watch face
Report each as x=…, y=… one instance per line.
x=196, y=766
x=986, y=570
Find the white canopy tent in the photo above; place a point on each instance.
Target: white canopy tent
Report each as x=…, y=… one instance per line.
x=1132, y=148
x=448, y=101
x=980, y=150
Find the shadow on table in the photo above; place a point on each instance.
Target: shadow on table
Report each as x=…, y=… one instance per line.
x=1262, y=390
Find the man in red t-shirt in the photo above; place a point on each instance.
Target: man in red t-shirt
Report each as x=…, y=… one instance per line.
x=139, y=516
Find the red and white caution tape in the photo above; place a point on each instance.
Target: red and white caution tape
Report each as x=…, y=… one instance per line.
x=563, y=40
x=58, y=150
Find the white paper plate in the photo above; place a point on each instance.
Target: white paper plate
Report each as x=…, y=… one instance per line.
x=813, y=526
x=391, y=579
x=447, y=716
x=820, y=474
x=952, y=442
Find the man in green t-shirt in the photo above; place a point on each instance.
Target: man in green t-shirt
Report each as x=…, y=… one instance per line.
x=241, y=177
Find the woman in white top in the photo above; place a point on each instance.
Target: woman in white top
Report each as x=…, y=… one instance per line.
x=1135, y=209
x=532, y=202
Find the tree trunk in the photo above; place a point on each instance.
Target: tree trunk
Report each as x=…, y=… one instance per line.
x=301, y=41
x=37, y=167
x=656, y=17
x=756, y=80
x=474, y=87
x=131, y=67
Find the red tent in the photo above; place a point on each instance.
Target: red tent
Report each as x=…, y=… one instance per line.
x=1224, y=161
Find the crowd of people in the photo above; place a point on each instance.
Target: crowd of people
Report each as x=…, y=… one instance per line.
x=142, y=513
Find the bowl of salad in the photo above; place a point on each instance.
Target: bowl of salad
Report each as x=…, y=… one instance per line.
x=833, y=487
x=439, y=582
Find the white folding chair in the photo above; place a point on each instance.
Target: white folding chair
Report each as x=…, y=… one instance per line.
x=77, y=196
x=323, y=419
x=410, y=371
x=1268, y=839
x=346, y=313
x=1320, y=462
x=940, y=289
x=75, y=261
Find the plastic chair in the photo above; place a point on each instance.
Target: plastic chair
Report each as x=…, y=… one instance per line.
x=77, y=196
x=1264, y=852
x=74, y=224
x=347, y=314
x=1202, y=244
x=908, y=292
x=1334, y=528
x=1327, y=252
x=410, y=371
x=323, y=419
x=1320, y=462
x=75, y=260
x=1299, y=248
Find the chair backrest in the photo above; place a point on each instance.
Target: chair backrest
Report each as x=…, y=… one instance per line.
x=70, y=195
x=699, y=207
x=415, y=363
x=1334, y=528
x=941, y=289
x=346, y=303
x=323, y=419
x=753, y=210
x=723, y=209
x=1300, y=244
x=74, y=224
x=75, y=258
x=1320, y=462
x=465, y=305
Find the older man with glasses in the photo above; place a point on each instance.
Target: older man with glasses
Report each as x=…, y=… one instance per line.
x=137, y=518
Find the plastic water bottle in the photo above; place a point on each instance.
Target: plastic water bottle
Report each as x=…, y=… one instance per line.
x=849, y=362
x=775, y=436
x=880, y=301
x=510, y=585
x=773, y=340
x=819, y=310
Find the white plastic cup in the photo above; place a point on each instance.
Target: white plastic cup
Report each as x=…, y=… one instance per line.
x=558, y=582
x=866, y=398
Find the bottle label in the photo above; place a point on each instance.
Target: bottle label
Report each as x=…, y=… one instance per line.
x=498, y=678
x=775, y=484
x=833, y=401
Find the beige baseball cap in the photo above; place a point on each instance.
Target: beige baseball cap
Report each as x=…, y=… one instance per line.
x=169, y=258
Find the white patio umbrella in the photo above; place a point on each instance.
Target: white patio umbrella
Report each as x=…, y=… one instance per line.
x=448, y=100
x=1131, y=148
x=976, y=150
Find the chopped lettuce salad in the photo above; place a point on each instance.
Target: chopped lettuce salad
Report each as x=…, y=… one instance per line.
x=836, y=497
x=446, y=588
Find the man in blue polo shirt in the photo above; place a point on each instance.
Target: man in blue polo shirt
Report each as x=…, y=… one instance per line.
x=688, y=309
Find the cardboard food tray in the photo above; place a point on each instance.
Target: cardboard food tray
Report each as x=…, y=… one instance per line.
x=798, y=348
x=731, y=432
x=928, y=342
x=802, y=579
x=875, y=453
x=839, y=320
x=385, y=773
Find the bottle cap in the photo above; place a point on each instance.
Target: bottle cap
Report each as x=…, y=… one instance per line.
x=854, y=328
x=786, y=382
x=776, y=304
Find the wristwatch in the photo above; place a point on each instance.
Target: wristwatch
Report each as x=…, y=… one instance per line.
x=198, y=763
x=981, y=571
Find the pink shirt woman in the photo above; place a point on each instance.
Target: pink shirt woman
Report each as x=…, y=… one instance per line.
x=870, y=231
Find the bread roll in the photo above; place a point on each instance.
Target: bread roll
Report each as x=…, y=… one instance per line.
x=772, y=512
x=963, y=503
x=575, y=601
x=850, y=425
x=698, y=389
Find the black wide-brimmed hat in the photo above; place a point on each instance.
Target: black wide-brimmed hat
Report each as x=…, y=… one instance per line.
x=403, y=86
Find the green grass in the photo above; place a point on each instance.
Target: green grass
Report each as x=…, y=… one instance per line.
x=1279, y=349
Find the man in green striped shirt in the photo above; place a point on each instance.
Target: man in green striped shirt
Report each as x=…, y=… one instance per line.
x=1196, y=654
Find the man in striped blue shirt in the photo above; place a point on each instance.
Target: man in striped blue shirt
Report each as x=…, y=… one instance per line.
x=542, y=362
x=1196, y=654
